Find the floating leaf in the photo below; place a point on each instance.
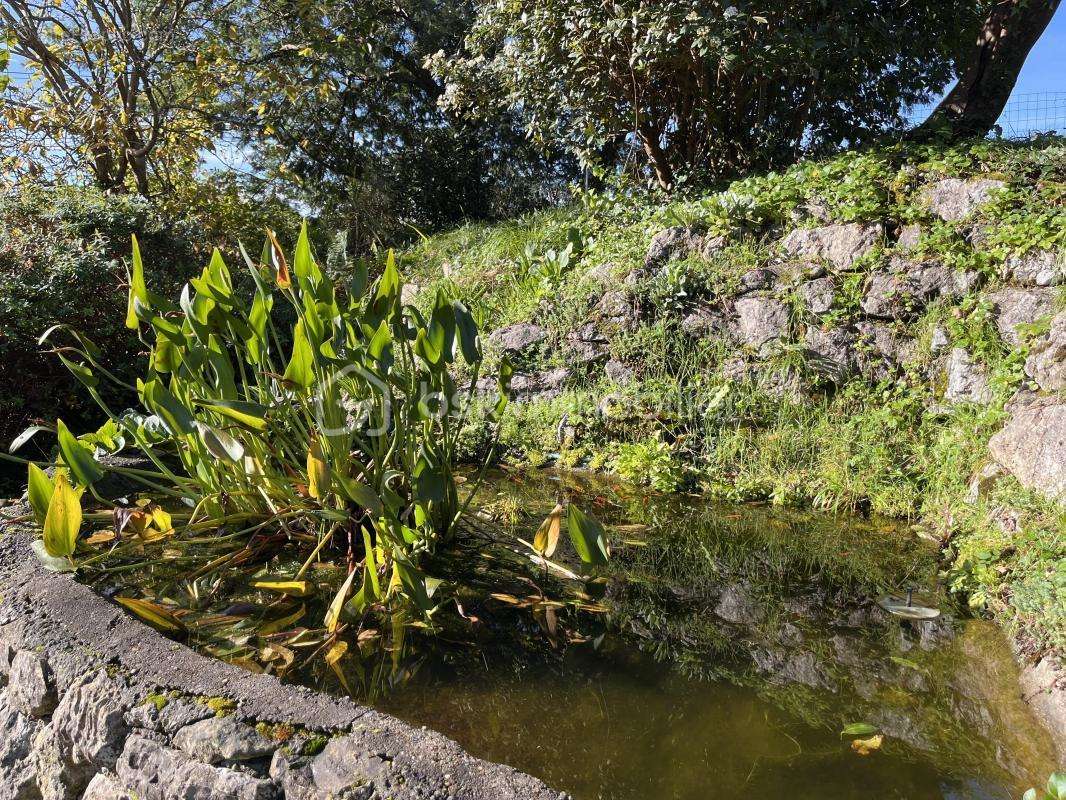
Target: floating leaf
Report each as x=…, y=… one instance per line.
x=295, y=588
x=62, y=520
x=588, y=536
x=902, y=607
x=547, y=537
x=859, y=729
x=159, y=617
x=283, y=623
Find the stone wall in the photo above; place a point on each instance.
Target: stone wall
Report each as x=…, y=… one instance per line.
x=96, y=705
x=793, y=301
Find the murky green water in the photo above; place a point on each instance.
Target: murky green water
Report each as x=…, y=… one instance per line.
x=735, y=645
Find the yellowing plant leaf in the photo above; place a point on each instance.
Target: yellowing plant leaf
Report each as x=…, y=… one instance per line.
x=278, y=257
x=333, y=658
x=62, y=520
x=333, y=613
x=159, y=617
x=283, y=623
x=317, y=471
x=138, y=289
x=39, y=489
x=866, y=746
x=295, y=588
x=547, y=537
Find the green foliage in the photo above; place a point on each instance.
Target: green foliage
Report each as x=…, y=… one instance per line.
x=246, y=431
x=650, y=462
x=707, y=90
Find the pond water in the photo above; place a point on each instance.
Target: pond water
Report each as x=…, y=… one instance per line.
x=720, y=656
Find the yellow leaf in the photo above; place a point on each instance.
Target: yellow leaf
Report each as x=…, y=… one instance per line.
x=63, y=519
x=333, y=657
x=295, y=588
x=159, y=617
x=333, y=613
x=317, y=471
x=283, y=623
x=547, y=537
x=866, y=746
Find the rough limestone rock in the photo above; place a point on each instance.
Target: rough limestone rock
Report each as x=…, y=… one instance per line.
x=518, y=338
x=1018, y=307
x=680, y=242
x=818, y=295
x=967, y=381
x=540, y=384
x=1046, y=363
x=1032, y=445
x=761, y=320
x=953, y=199
x=30, y=685
x=89, y=722
x=223, y=739
x=153, y=771
x=17, y=732
x=105, y=786
x=1036, y=268
x=705, y=322
x=830, y=351
x=840, y=245
x=882, y=349
x=616, y=307
x=586, y=345
x=1043, y=687
x=907, y=288
x=756, y=280
x=909, y=236
x=345, y=765
x=618, y=372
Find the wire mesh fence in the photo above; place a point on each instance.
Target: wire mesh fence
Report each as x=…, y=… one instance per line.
x=1027, y=113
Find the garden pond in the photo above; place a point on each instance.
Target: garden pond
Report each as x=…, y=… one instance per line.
x=726, y=651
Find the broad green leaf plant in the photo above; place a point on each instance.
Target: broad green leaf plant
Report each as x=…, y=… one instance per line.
x=341, y=432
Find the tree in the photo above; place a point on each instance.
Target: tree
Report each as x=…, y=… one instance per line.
x=991, y=69
x=117, y=88
x=338, y=103
x=708, y=90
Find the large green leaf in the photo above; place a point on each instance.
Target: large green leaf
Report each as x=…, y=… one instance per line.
x=253, y=415
x=63, y=519
x=166, y=405
x=469, y=342
x=138, y=292
x=39, y=488
x=588, y=536
x=76, y=456
x=301, y=368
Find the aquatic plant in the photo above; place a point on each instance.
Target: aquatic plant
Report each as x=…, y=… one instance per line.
x=336, y=431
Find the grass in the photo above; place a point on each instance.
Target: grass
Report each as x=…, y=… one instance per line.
x=687, y=421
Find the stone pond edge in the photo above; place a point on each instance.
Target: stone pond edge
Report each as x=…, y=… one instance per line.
x=96, y=705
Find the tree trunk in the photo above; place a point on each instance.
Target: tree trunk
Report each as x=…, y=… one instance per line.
x=664, y=174
x=992, y=66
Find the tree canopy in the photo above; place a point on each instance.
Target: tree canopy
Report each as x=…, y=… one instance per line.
x=707, y=89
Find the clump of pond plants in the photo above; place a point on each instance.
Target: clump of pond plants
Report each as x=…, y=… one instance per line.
x=317, y=438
